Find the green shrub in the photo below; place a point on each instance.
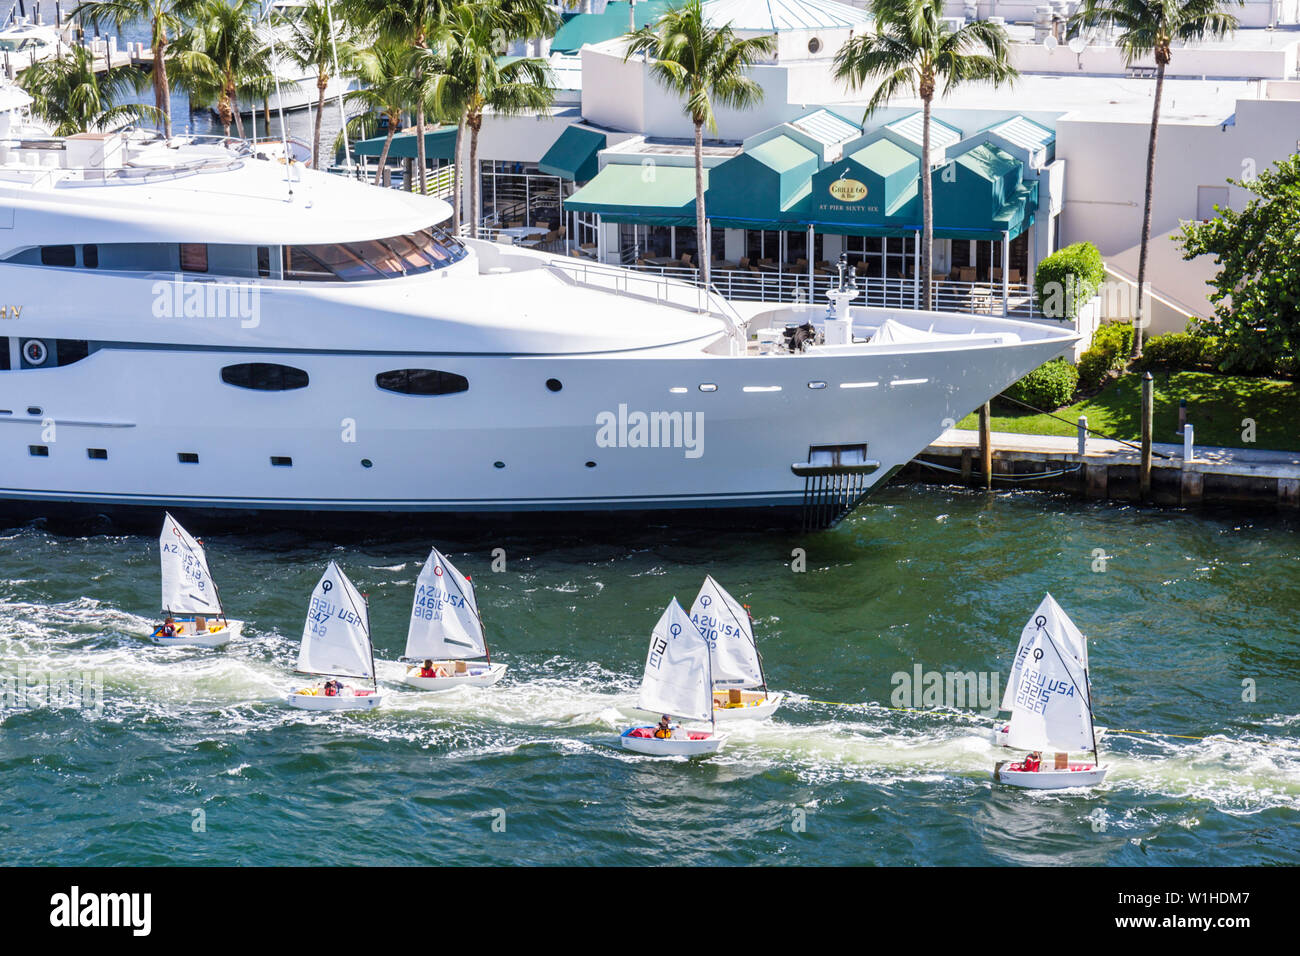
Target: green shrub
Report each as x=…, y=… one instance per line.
x=1109, y=352
x=1068, y=278
x=1174, y=352
x=1048, y=387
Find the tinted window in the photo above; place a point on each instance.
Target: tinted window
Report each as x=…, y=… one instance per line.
x=194, y=257
x=90, y=256
x=422, y=381
x=58, y=256
x=413, y=253
x=264, y=376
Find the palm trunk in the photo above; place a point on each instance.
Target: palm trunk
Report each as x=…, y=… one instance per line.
x=701, y=239
x=234, y=109
x=457, y=198
x=321, y=83
x=162, y=93
x=266, y=111
x=474, y=184
x=927, y=214
x=383, y=153
x=1139, y=315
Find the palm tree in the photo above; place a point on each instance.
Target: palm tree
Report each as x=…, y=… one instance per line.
x=165, y=17
x=221, y=56
x=1149, y=28
x=409, y=22
x=319, y=44
x=467, y=75
x=913, y=49
x=69, y=95
x=704, y=65
x=386, y=73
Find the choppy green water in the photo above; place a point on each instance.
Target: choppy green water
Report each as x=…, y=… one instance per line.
x=1187, y=609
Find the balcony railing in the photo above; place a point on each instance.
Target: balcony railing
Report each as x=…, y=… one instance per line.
x=981, y=298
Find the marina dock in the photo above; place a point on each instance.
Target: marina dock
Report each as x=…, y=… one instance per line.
x=1108, y=469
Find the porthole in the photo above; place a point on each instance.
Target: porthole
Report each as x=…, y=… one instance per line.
x=591, y=464
x=39, y=451
x=421, y=381
x=187, y=457
x=498, y=464
x=708, y=387
x=33, y=410
x=554, y=384
x=264, y=376
x=281, y=461
x=816, y=384
x=367, y=463
x=35, y=352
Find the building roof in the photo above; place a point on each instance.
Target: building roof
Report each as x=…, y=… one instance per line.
x=589, y=28
x=1024, y=133
x=826, y=127
x=782, y=153
x=773, y=16
x=912, y=127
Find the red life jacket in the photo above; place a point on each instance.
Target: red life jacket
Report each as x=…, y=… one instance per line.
x=428, y=672
x=169, y=630
x=1031, y=764
x=331, y=690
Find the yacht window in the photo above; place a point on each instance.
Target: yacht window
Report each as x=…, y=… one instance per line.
x=97, y=454
x=58, y=256
x=263, y=261
x=4, y=354
x=39, y=451
x=264, y=376
x=194, y=257
x=422, y=381
x=372, y=258
x=90, y=256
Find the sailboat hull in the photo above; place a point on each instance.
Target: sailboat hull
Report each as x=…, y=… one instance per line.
x=684, y=743
x=1078, y=775
x=217, y=638
x=484, y=675
x=304, y=698
x=753, y=706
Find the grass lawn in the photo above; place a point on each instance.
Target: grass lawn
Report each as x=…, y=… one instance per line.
x=1216, y=405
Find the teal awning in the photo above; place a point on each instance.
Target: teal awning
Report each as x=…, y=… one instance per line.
x=981, y=194
x=587, y=28
x=648, y=195
x=439, y=144
x=574, y=155
x=765, y=187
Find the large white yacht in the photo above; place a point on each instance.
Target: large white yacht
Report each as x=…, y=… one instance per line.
x=187, y=325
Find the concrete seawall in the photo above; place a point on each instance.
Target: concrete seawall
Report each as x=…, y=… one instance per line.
x=1112, y=470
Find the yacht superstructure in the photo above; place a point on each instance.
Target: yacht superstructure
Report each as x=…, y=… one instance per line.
x=189, y=326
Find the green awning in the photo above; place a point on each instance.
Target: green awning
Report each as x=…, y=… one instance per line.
x=439, y=144
x=573, y=155
x=648, y=195
x=765, y=187
x=589, y=28
x=982, y=194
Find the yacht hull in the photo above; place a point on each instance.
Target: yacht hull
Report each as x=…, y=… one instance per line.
x=508, y=446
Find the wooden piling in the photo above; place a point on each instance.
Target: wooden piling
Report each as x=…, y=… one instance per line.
x=986, y=445
x=1148, y=413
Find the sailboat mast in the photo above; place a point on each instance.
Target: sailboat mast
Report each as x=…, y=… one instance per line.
x=762, y=675
x=374, y=677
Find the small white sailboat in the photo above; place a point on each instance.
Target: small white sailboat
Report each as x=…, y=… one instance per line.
x=336, y=644
x=1051, y=707
x=446, y=636
x=193, y=615
x=677, y=682
x=1049, y=614
x=739, y=685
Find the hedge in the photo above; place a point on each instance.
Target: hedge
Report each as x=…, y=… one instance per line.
x=1048, y=387
x=1068, y=278
x=1108, y=353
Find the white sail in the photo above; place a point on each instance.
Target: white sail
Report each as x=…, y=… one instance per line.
x=187, y=586
x=1050, y=708
x=1050, y=617
x=677, y=674
x=725, y=624
x=444, y=616
x=336, y=637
